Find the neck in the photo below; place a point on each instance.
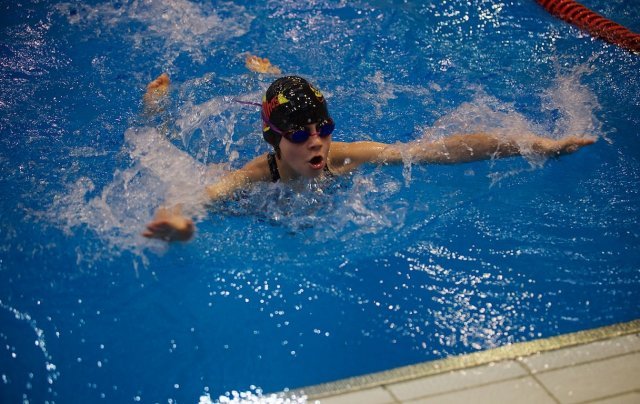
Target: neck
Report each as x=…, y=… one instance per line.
x=286, y=172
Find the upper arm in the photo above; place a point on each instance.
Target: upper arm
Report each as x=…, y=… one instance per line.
x=348, y=156
x=254, y=171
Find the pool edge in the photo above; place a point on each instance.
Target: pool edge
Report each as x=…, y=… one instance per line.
x=430, y=368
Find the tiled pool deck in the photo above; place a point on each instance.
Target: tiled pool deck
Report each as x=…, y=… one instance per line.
x=594, y=366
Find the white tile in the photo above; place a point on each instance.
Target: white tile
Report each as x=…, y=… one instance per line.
x=376, y=395
x=630, y=398
x=524, y=390
x=583, y=353
x=457, y=380
x=594, y=380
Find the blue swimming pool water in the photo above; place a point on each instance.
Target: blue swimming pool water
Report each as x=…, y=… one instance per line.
x=288, y=287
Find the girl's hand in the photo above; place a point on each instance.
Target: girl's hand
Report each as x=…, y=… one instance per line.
x=566, y=145
x=170, y=225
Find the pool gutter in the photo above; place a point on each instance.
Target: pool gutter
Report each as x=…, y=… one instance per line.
x=512, y=351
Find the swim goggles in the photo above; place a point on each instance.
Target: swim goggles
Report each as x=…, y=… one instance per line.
x=302, y=135
x=325, y=128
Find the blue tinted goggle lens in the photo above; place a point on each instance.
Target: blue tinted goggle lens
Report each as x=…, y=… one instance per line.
x=301, y=135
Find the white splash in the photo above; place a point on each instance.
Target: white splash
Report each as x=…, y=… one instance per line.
x=569, y=108
x=575, y=103
x=254, y=396
x=159, y=173
x=184, y=26
x=386, y=91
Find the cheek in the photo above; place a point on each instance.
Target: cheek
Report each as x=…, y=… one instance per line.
x=284, y=148
x=289, y=152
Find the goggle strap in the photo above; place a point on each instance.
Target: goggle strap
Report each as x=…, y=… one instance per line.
x=247, y=102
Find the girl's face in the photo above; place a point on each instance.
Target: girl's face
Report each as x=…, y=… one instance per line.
x=306, y=159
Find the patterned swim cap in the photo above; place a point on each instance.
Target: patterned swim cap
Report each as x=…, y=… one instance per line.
x=290, y=103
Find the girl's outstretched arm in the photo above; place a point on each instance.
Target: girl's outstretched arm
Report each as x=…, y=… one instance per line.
x=483, y=146
x=452, y=149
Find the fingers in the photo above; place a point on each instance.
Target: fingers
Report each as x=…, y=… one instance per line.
x=571, y=144
x=157, y=226
x=163, y=79
x=579, y=141
x=571, y=148
x=170, y=235
x=159, y=230
x=171, y=229
x=153, y=234
x=160, y=81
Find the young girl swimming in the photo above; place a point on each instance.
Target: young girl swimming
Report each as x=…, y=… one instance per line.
x=296, y=122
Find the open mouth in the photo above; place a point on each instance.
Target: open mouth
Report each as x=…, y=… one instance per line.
x=317, y=162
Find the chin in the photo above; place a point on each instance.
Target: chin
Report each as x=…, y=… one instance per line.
x=313, y=174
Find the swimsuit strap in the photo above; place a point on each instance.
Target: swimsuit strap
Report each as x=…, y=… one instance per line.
x=273, y=167
x=327, y=171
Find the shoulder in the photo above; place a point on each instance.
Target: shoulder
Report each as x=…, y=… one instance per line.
x=256, y=169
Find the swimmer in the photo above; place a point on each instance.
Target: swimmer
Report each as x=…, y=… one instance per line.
x=297, y=124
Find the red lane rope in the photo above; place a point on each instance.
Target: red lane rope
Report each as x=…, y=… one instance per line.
x=597, y=25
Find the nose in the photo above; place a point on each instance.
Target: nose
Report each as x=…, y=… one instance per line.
x=314, y=136
x=313, y=129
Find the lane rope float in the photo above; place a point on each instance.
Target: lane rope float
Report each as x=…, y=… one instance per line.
x=592, y=22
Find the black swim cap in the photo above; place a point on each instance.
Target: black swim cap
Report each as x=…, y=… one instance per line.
x=290, y=103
